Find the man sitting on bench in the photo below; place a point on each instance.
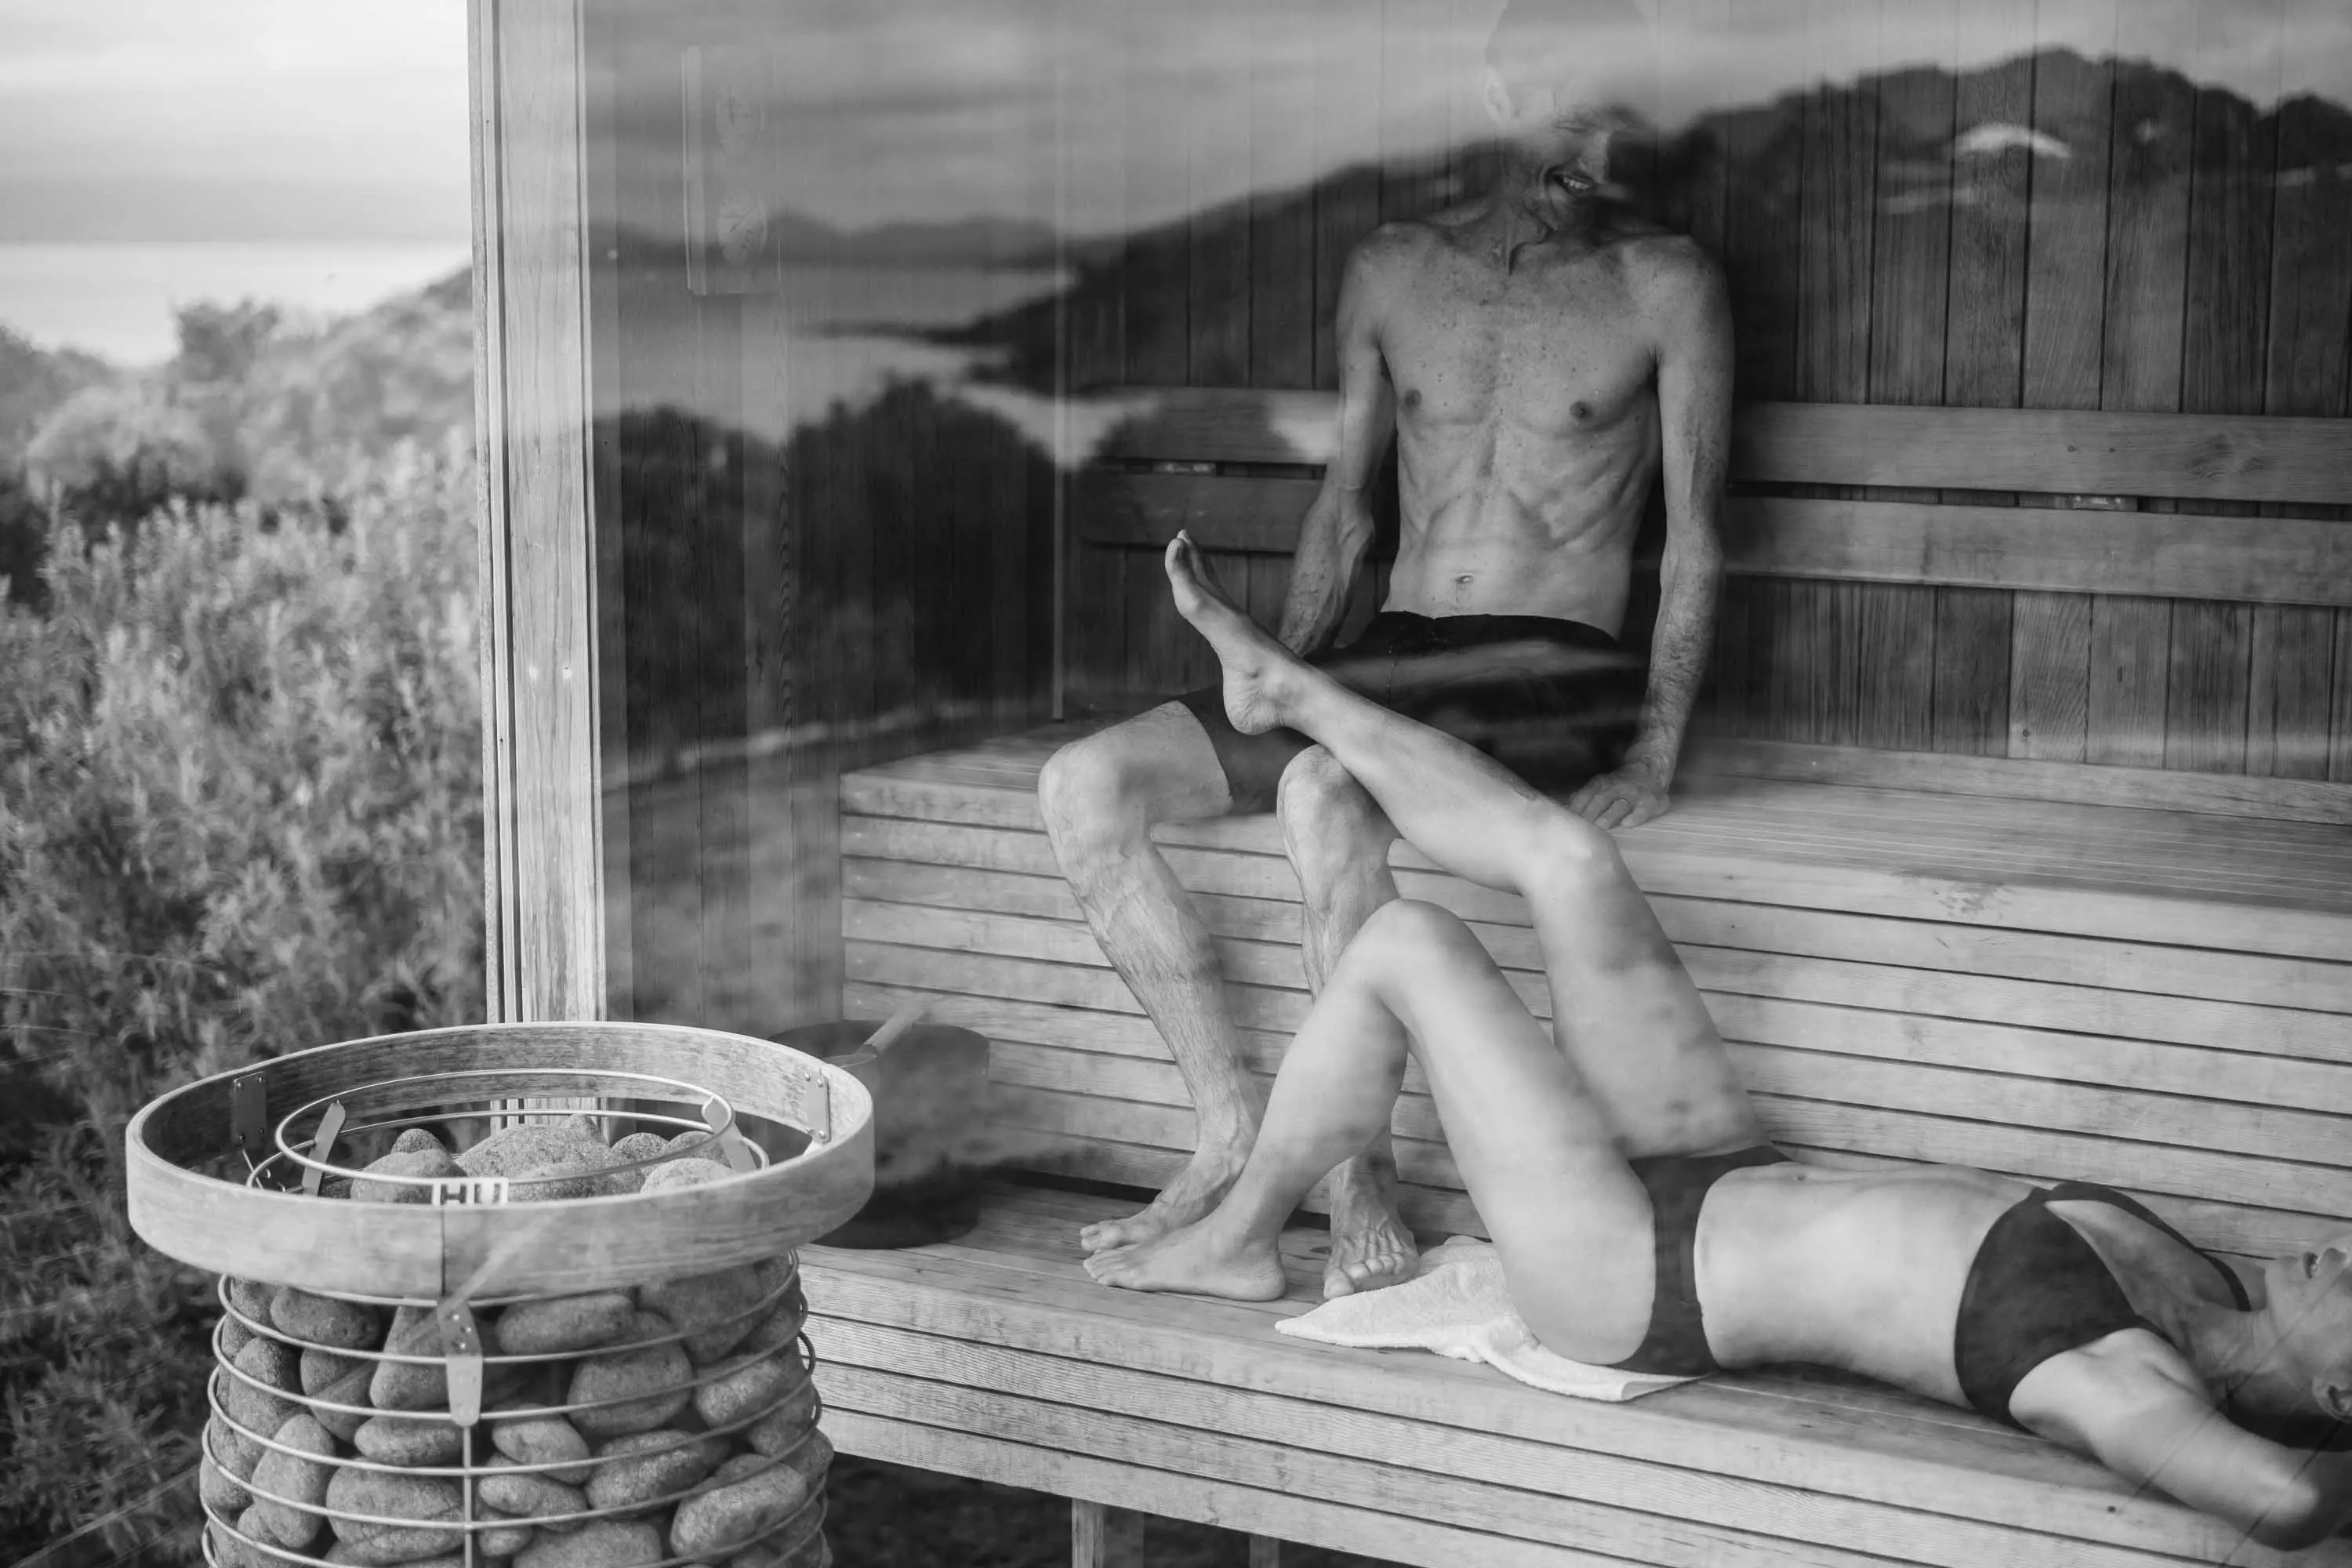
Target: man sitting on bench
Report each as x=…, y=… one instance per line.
x=1541, y=358
x=1643, y=1221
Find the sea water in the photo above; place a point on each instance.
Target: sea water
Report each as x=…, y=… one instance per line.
x=119, y=299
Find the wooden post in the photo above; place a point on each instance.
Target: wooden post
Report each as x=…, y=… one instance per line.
x=544, y=884
x=1102, y=1536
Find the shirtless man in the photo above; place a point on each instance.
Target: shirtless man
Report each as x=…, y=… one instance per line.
x=1540, y=359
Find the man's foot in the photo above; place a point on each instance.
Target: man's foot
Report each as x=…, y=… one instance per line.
x=1200, y=1187
x=1254, y=662
x=1370, y=1246
x=1200, y=1260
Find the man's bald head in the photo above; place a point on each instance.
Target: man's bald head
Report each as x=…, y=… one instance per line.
x=1554, y=43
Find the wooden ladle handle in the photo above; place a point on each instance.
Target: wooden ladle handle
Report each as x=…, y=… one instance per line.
x=899, y=1023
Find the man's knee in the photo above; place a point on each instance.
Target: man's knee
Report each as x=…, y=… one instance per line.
x=1090, y=795
x=1325, y=812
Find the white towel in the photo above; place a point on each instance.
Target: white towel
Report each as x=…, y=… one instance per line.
x=1459, y=1306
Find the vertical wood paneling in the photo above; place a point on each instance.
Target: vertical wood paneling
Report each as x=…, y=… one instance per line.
x=2123, y=713
x=2291, y=663
x=1094, y=146
x=2148, y=231
x=2296, y=675
x=1218, y=159
x=2050, y=692
x=1894, y=653
x=1837, y=208
x=1347, y=145
x=1983, y=363
x=1281, y=295
x=2234, y=163
x=2066, y=257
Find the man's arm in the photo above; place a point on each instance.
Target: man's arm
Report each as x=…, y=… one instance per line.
x=1695, y=439
x=1337, y=528
x=2130, y=1402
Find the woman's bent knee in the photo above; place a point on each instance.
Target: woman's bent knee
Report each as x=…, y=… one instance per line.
x=1560, y=848
x=1404, y=935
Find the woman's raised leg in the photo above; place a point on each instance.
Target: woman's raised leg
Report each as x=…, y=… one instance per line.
x=1536, y=1153
x=1624, y=1010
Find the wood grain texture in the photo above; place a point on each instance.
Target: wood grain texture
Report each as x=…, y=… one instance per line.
x=540, y=679
x=2124, y=722
x=1879, y=1466
x=1347, y=140
x=2241, y=457
x=420, y=1251
x=2049, y=677
x=2036, y=548
x=1105, y=1537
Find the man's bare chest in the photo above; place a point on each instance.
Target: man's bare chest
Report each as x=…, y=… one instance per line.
x=1548, y=360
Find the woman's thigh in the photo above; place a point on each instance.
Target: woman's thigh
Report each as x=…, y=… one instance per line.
x=1626, y=1011
x=1537, y=1152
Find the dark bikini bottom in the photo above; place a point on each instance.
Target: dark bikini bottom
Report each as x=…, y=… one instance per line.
x=1677, y=1185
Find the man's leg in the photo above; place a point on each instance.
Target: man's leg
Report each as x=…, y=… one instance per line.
x=1338, y=843
x=1101, y=796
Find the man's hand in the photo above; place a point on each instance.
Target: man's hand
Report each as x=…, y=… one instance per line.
x=1633, y=794
x=1332, y=539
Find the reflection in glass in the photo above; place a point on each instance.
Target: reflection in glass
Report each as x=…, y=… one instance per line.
x=871, y=282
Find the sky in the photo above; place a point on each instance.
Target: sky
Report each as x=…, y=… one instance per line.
x=165, y=119
x=346, y=119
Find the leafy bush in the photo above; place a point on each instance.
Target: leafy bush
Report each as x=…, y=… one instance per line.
x=239, y=814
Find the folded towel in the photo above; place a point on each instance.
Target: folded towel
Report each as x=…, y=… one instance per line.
x=1459, y=1306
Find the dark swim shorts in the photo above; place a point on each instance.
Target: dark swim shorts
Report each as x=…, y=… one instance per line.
x=1555, y=701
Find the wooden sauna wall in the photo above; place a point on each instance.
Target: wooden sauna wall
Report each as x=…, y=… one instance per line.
x=2189, y=255
x=796, y=577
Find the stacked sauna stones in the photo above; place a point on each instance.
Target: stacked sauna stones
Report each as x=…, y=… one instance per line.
x=698, y=1444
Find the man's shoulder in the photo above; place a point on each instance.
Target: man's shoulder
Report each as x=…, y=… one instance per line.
x=1398, y=243
x=1666, y=264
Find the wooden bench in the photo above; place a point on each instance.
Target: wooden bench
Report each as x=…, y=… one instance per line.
x=2059, y=971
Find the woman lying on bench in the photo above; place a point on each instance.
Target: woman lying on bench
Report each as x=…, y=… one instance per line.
x=1643, y=1221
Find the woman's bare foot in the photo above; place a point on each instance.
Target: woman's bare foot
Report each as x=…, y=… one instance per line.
x=1370, y=1246
x=1254, y=662
x=1197, y=1189
x=1201, y=1259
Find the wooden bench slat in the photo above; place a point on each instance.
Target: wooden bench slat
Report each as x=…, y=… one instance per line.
x=1174, y=1495
x=1019, y=1287
x=2124, y=845
x=2256, y=1231
x=2211, y=457
x=2057, y=1017
x=1742, y=782
x=1848, y=882
x=2131, y=969
x=2049, y=1153
x=1587, y=1492
x=2175, y=555
x=2286, y=1138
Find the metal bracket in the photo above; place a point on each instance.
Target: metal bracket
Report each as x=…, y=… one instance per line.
x=248, y=1118
x=461, y=1349
x=323, y=1146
